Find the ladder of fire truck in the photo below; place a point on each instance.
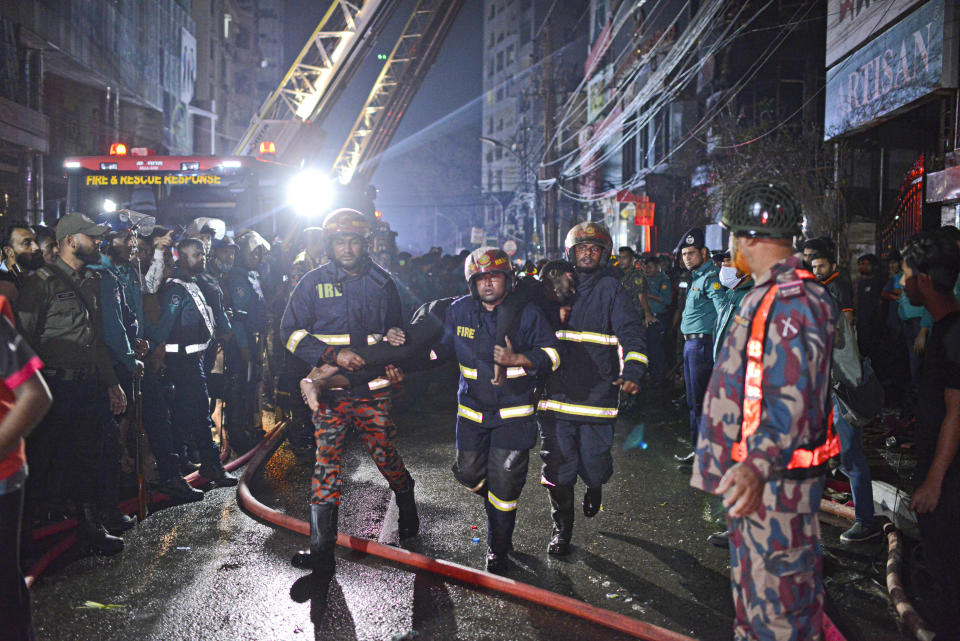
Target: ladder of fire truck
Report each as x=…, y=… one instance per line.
x=324, y=68
x=400, y=78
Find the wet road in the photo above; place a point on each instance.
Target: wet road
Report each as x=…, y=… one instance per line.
x=210, y=571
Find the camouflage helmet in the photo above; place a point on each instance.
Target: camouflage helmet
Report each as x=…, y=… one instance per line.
x=484, y=260
x=346, y=221
x=588, y=232
x=762, y=209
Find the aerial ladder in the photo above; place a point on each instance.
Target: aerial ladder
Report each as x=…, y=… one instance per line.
x=291, y=116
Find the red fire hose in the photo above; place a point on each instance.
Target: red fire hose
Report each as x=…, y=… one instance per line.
x=129, y=507
x=455, y=571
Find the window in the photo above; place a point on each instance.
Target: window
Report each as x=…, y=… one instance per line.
x=490, y=67
x=490, y=125
x=499, y=152
x=499, y=93
x=493, y=11
x=492, y=41
x=500, y=37
x=499, y=179
x=499, y=61
x=509, y=54
x=500, y=124
x=489, y=157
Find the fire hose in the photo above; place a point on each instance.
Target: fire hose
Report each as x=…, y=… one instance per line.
x=464, y=574
x=128, y=506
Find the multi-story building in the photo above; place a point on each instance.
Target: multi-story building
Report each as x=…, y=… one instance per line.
x=79, y=75
x=519, y=37
x=662, y=80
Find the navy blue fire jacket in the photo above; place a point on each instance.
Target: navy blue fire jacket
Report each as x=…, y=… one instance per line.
x=330, y=310
x=470, y=334
x=603, y=328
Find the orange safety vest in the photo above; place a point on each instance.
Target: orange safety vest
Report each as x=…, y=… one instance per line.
x=753, y=392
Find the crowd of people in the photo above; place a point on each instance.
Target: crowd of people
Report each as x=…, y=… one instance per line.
x=779, y=356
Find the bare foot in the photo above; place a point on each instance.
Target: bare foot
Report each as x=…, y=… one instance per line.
x=499, y=375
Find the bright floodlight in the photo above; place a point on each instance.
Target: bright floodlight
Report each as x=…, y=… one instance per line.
x=310, y=193
x=109, y=206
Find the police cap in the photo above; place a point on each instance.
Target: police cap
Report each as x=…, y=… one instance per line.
x=77, y=223
x=694, y=237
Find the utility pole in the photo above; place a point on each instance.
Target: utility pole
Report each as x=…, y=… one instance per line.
x=547, y=172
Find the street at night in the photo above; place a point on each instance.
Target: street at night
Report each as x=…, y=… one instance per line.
x=213, y=571
x=480, y=319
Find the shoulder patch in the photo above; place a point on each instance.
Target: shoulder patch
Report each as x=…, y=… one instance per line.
x=740, y=320
x=787, y=327
x=717, y=285
x=175, y=300
x=790, y=289
x=44, y=273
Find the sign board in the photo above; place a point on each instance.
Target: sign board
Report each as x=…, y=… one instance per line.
x=188, y=65
x=597, y=93
x=851, y=22
x=476, y=235
x=903, y=64
x=510, y=247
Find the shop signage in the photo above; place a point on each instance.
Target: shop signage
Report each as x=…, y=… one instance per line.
x=851, y=22
x=901, y=65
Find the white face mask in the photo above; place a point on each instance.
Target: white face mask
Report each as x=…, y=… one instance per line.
x=728, y=277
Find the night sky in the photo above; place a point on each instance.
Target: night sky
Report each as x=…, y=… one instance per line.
x=445, y=112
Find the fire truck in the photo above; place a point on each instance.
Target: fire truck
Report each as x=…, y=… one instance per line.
x=271, y=182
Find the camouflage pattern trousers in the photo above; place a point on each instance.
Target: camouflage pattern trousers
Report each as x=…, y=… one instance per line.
x=371, y=418
x=776, y=568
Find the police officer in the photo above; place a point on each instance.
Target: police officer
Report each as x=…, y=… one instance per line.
x=186, y=327
x=765, y=437
x=581, y=404
x=495, y=421
x=347, y=302
x=245, y=295
x=659, y=297
x=704, y=298
x=124, y=329
x=60, y=315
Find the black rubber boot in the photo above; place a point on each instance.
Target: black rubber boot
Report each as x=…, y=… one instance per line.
x=90, y=532
x=561, y=509
x=323, y=540
x=215, y=473
x=178, y=489
x=500, y=525
x=591, y=500
x=408, y=522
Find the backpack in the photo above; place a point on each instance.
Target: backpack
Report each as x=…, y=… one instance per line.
x=856, y=386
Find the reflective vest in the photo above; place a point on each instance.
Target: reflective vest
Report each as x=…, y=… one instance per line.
x=753, y=393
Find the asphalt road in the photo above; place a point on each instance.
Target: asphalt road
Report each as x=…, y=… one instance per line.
x=211, y=571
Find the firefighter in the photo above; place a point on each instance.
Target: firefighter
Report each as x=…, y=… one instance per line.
x=186, y=326
x=766, y=435
x=346, y=303
x=577, y=415
x=495, y=422
x=244, y=294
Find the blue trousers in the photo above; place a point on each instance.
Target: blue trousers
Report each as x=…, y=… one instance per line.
x=697, y=366
x=572, y=449
x=191, y=407
x=656, y=349
x=853, y=463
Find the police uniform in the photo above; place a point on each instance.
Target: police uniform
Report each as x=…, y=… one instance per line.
x=186, y=327
x=767, y=408
x=60, y=315
x=659, y=286
x=703, y=300
x=495, y=425
x=731, y=304
x=245, y=296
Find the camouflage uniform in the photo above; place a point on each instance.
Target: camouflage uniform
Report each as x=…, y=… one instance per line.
x=635, y=282
x=775, y=554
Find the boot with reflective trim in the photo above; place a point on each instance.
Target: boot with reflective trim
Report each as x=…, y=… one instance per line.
x=90, y=532
x=323, y=540
x=561, y=509
x=408, y=522
x=500, y=525
x=591, y=500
